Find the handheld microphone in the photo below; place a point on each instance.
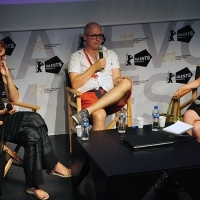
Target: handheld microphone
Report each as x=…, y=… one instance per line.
x=100, y=51
x=9, y=107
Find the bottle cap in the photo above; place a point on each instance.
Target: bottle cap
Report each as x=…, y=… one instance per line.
x=155, y=107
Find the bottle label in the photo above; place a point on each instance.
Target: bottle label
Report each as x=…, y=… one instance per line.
x=85, y=124
x=156, y=115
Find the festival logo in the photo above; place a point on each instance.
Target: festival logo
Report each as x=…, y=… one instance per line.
x=185, y=34
x=38, y=66
x=53, y=65
x=169, y=57
x=183, y=76
x=169, y=77
x=128, y=59
x=171, y=35
x=142, y=58
x=10, y=45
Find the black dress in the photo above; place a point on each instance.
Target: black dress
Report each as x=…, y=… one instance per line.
x=30, y=131
x=195, y=107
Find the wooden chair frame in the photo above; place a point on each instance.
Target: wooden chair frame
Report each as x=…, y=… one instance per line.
x=74, y=105
x=13, y=153
x=175, y=106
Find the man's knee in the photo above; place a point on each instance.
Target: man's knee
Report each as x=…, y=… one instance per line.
x=126, y=84
x=99, y=115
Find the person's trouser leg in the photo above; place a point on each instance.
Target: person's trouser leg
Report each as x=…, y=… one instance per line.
x=38, y=154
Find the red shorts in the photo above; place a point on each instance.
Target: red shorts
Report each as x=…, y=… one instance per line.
x=89, y=98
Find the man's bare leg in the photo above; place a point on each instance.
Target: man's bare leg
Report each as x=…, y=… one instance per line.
x=99, y=119
x=116, y=95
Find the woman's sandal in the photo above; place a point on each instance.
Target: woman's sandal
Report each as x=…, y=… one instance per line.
x=51, y=172
x=29, y=191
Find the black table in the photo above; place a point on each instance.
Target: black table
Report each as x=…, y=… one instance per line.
x=119, y=172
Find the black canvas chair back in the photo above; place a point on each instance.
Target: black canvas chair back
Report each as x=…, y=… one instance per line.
x=176, y=105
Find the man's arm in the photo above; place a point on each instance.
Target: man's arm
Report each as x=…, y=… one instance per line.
x=78, y=80
x=116, y=74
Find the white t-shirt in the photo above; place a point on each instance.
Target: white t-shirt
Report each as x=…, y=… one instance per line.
x=79, y=63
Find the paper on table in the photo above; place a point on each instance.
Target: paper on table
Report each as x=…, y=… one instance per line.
x=178, y=128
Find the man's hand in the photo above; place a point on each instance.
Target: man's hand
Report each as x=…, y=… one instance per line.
x=100, y=64
x=118, y=80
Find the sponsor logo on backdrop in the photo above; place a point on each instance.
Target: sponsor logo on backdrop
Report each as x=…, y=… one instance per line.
x=49, y=90
x=184, y=34
x=138, y=40
x=172, y=56
x=53, y=65
x=142, y=58
x=42, y=90
x=169, y=57
x=50, y=46
x=126, y=38
x=128, y=59
x=181, y=57
x=171, y=35
x=39, y=45
x=37, y=89
x=139, y=82
x=10, y=45
x=169, y=77
x=81, y=41
x=182, y=76
x=38, y=66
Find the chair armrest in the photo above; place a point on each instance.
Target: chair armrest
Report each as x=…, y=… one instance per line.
x=184, y=92
x=22, y=104
x=73, y=91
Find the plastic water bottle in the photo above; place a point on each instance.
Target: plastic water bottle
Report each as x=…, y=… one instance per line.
x=85, y=128
x=122, y=121
x=155, y=115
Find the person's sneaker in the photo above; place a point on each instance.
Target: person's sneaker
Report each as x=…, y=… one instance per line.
x=78, y=116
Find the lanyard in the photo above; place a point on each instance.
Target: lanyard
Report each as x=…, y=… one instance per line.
x=93, y=75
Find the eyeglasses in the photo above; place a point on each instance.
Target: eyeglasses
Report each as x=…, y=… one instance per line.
x=2, y=56
x=100, y=36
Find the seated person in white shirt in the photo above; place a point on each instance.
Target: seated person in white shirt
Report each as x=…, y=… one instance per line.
x=99, y=80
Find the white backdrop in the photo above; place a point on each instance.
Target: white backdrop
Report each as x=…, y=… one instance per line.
x=156, y=62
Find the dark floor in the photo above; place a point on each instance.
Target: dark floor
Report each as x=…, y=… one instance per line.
x=60, y=188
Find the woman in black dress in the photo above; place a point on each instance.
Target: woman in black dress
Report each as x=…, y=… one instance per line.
x=192, y=114
x=30, y=131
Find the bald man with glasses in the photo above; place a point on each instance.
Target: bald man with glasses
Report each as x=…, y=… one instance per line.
x=104, y=90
